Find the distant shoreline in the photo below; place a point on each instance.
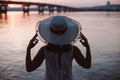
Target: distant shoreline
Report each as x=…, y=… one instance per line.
x=110, y=7
x=97, y=8
x=107, y=7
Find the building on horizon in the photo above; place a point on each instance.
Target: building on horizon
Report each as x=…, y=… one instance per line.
x=107, y=7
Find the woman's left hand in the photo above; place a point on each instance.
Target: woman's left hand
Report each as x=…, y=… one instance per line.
x=33, y=41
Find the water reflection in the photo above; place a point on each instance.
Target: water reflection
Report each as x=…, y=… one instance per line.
x=0, y=16
x=108, y=14
x=3, y=16
x=101, y=28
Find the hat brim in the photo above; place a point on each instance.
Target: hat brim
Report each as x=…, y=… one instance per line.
x=69, y=36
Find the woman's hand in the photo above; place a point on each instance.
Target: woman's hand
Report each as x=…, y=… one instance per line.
x=33, y=41
x=84, y=40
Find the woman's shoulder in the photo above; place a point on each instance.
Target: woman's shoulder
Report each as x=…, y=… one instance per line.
x=50, y=47
x=42, y=49
x=76, y=49
x=58, y=48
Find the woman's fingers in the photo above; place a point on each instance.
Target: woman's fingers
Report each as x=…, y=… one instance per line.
x=34, y=37
x=82, y=41
x=81, y=35
x=35, y=41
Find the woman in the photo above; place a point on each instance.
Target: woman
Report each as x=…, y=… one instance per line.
x=59, y=32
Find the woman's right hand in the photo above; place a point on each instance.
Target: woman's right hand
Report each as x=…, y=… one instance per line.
x=33, y=42
x=84, y=40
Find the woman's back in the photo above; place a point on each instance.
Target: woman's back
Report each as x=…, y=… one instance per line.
x=59, y=62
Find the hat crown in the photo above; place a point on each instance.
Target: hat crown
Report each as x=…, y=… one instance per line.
x=58, y=24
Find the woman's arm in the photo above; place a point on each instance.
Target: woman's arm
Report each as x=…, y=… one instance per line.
x=80, y=59
x=38, y=59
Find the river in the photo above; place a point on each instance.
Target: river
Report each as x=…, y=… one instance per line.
x=102, y=30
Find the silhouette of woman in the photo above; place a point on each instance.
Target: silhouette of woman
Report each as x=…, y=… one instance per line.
x=59, y=32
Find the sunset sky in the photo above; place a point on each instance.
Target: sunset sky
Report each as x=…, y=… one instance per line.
x=75, y=3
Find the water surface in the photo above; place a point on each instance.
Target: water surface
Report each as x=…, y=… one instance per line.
x=101, y=28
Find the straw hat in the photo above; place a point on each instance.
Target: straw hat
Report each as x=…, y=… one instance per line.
x=59, y=30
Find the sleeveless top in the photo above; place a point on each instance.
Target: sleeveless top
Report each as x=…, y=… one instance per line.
x=58, y=65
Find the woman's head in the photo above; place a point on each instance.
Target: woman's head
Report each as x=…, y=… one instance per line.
x=58, y=30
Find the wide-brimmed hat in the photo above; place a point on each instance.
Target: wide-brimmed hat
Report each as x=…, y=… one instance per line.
x=59, y=30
